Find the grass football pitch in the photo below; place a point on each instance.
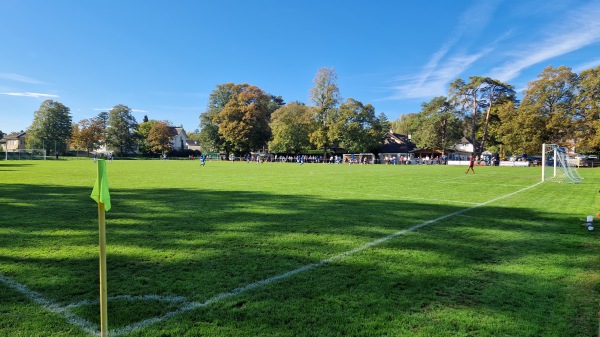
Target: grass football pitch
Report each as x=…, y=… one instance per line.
x=237, y=249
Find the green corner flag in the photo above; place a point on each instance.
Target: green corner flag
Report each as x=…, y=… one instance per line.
x=100, y=192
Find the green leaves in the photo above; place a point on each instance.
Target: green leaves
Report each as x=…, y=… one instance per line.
x=121, y=129
x=51, y=126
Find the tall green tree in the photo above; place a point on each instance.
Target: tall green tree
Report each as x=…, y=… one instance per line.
x=159, y=137
x=290, y=125
x=103, y=118
x=359, y=129
x=437, y=126
x=467, y=97
x=493, y=92
x=51, y=127
x=550, y=98
x=325, y=96
x=521, y=130
x=403, y=124
x=587, y=104
x=244, y=121
x=143, y=130
x=211, y=139
x=122, y=129
x=477, y=97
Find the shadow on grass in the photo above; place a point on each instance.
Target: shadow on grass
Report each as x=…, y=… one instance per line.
x=11, y=166
x=199, y=244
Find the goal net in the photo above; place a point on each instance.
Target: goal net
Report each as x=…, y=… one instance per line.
x=26, y=154
x=558, y=166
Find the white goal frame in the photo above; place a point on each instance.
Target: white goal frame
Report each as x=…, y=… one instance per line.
x=25, y=154
x=562, y=169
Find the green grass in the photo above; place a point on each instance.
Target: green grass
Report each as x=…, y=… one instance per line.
x=518, y=266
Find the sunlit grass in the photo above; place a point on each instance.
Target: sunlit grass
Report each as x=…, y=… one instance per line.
x=519, y=266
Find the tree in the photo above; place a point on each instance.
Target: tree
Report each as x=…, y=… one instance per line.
x=325, y=96
x=244, y=121
x=521, y=130
x=587, y=104
x=103, y=118
x=403, y=125
x=480, y=94
x=209, y=129
x=359, y=130
x=550, y=98
x=193, y=135
x=493, y=92
x=87, y=134
x=51, y=126
x=437, y=126
x=159, y=137
x=290, y=125
x=121, y=129
x=466, y=95
x=143, y=131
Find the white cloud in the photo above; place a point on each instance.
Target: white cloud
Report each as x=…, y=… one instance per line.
x=441, y=69
x=20, y=78
x=581, y=29
x=438, y=79
x=586, y=66
x=108, y=109
x=29, y=94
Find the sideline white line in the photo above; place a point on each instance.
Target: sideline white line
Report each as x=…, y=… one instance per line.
x=267, y=281
x=91, y=330
x=52, y=307
x=411, y=199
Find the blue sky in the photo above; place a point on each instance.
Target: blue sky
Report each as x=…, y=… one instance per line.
x=163, y=58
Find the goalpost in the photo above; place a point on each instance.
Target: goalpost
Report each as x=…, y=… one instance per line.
x=557, y=166
x=25, y=154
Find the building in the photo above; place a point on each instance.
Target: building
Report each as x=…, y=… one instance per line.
x=13, y=142
x=193, y=145
x=395, y=146
x=179, y=138
x=461, y=150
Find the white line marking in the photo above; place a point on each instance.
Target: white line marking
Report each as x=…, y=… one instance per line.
x=267, y=281
x=90, y=328
x=411, y=199
x=171, y=299
x=48, y=305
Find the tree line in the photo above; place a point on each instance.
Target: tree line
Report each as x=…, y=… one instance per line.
x=52, y=129
x=560, y=107
x=242, y=118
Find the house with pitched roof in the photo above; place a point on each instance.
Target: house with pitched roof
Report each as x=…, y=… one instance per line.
x=395, y=146
x=13, y=142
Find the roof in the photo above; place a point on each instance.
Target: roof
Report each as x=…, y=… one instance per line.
x=176, y=129
x=15, y=135
x=427, y=151
x=396, y=143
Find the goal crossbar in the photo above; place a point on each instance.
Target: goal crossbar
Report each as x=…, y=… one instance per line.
x=557, y=166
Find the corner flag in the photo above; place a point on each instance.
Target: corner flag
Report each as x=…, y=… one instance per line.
x=100, y=192
x=102, y=196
